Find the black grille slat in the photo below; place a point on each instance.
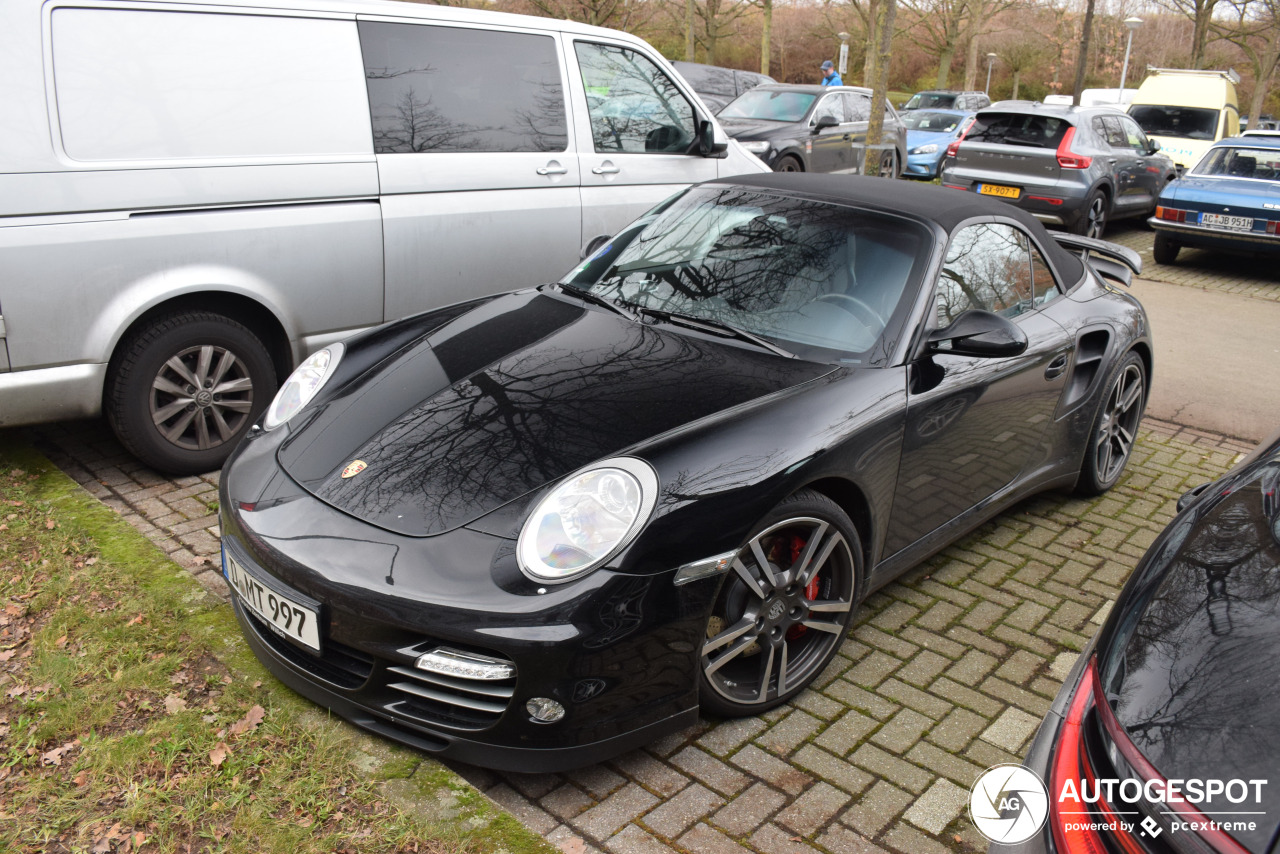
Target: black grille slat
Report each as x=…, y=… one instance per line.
x=341, y=665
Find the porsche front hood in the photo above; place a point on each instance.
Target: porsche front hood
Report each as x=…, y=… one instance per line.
x=511, y=396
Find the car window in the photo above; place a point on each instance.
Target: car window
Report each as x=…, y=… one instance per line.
x=988, y=267
x=430, y=90
x=1108, y=128
x=634, y=106
x=831, y=105
x=857, y=107
x=1137, y=139
x=1024, y=129
x=1046, y=287
x=929, y=120
x=1241, y=162
x=769, y=104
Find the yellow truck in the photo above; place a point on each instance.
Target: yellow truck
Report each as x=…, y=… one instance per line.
x=1187, y=111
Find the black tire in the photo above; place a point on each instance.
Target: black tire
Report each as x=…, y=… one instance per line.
x=1093, y=221
x=154, y=406
x=788, y=163
x=803, y=605
x=1115, y=427
x=1165, y=249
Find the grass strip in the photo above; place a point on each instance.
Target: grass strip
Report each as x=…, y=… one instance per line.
x=134, y=718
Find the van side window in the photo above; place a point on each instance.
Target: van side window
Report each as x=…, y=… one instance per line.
x=441, y=89
x=634, y=106
x=145, y=85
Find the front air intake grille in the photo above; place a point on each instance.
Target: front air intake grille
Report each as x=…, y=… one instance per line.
x=456, y=702
x=341, y=665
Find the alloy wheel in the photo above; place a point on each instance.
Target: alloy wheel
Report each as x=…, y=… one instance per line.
x=1097, y=218
x=781, y=612
x=201, y=397
x=1119, y=424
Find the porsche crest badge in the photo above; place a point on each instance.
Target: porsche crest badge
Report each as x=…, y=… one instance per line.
x=354, y=468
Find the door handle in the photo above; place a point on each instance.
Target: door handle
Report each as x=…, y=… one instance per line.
x=1057, y=367
x=606, y=168
x=848, y=136
x=553, y=168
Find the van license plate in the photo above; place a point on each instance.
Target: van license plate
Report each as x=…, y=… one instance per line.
x=999, y=190
x=1232, y=223
x=287, y=617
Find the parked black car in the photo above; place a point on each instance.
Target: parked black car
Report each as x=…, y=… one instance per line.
x=797, y=128
x=947, y=99
x=1179, y=686
x=534, y=530
x=718, y=86
x=1077, y=167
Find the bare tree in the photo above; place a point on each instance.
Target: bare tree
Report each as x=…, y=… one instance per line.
x=1255, y=29
x=1020, y=53
x=880, y=91
x=940, y=31
x=1200, y=13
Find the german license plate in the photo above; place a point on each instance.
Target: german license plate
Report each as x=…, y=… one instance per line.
x=286, y=616
x=999, y=190
x=1232, y=223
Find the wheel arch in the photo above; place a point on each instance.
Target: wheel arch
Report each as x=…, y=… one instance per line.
x=1143, y=349
x=253, y=314
x=853, y=501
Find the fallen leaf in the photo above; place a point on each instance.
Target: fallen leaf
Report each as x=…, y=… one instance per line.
x=82, y=778
x=50, y=524
x=307, y=822
x=219, y=754
x=90, y=561
x=139, y=839
x=249, y=722
x=6, y=655
x=135, y=620
x=174, y=704
x=16, y=692
x=60, y=642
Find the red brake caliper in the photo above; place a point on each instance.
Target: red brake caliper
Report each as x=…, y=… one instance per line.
x=810, y=590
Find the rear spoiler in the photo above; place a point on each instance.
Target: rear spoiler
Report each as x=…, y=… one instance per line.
x=1115, y=262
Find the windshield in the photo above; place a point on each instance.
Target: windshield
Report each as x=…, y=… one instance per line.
x=769, y=104
x=823, y=281
x=1184, y=122
x=931, y=100
x=927, y=120
x=1263, y=163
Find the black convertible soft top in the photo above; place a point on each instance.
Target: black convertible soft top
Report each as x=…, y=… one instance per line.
x=928, y=202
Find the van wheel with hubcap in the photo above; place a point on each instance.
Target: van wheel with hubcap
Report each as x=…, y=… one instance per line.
x=784, y=608
x=185, y=388
x=1165, y=250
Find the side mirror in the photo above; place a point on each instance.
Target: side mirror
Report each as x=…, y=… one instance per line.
x=593, y=245
x=979, y=333
x=1154, y=145
x=711, y=140
x=825, y=122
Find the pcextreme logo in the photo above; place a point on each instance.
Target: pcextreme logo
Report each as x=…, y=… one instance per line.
x=1008, y=804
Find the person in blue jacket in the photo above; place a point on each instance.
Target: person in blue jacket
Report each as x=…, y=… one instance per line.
x=830, y=77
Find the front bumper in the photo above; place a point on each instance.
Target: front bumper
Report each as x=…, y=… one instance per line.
x=618, y=651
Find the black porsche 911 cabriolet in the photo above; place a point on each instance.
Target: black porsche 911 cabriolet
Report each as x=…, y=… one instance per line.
x=534, y=530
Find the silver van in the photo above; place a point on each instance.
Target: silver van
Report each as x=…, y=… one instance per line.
x=194, y=197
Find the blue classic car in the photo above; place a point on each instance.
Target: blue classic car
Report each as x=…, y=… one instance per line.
x=1230, y=201
x=929, y=132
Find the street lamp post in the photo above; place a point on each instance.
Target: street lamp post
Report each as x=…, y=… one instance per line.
x=843, y=64
x=1132, y=24
x=991, y=59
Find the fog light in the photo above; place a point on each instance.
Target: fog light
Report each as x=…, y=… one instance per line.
x=545, y=709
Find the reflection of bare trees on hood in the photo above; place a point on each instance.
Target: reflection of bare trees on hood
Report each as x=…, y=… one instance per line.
x=540, y=413
x=1198, y=682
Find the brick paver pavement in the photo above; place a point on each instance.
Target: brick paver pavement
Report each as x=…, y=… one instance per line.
x=947, y=672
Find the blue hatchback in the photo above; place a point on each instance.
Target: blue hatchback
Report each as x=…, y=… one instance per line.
x=929, y=132
x=1230, y=201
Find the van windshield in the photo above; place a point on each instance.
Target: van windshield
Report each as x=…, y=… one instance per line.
x=1184, y=122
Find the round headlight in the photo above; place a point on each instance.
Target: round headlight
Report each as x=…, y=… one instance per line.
x=586, y=519
x=931, y=148
x=302, y=385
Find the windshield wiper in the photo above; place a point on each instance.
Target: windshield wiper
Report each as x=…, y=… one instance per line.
x=593, y=298
x=703, y=324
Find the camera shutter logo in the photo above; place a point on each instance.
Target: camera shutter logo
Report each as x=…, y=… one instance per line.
x=1008, y=804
